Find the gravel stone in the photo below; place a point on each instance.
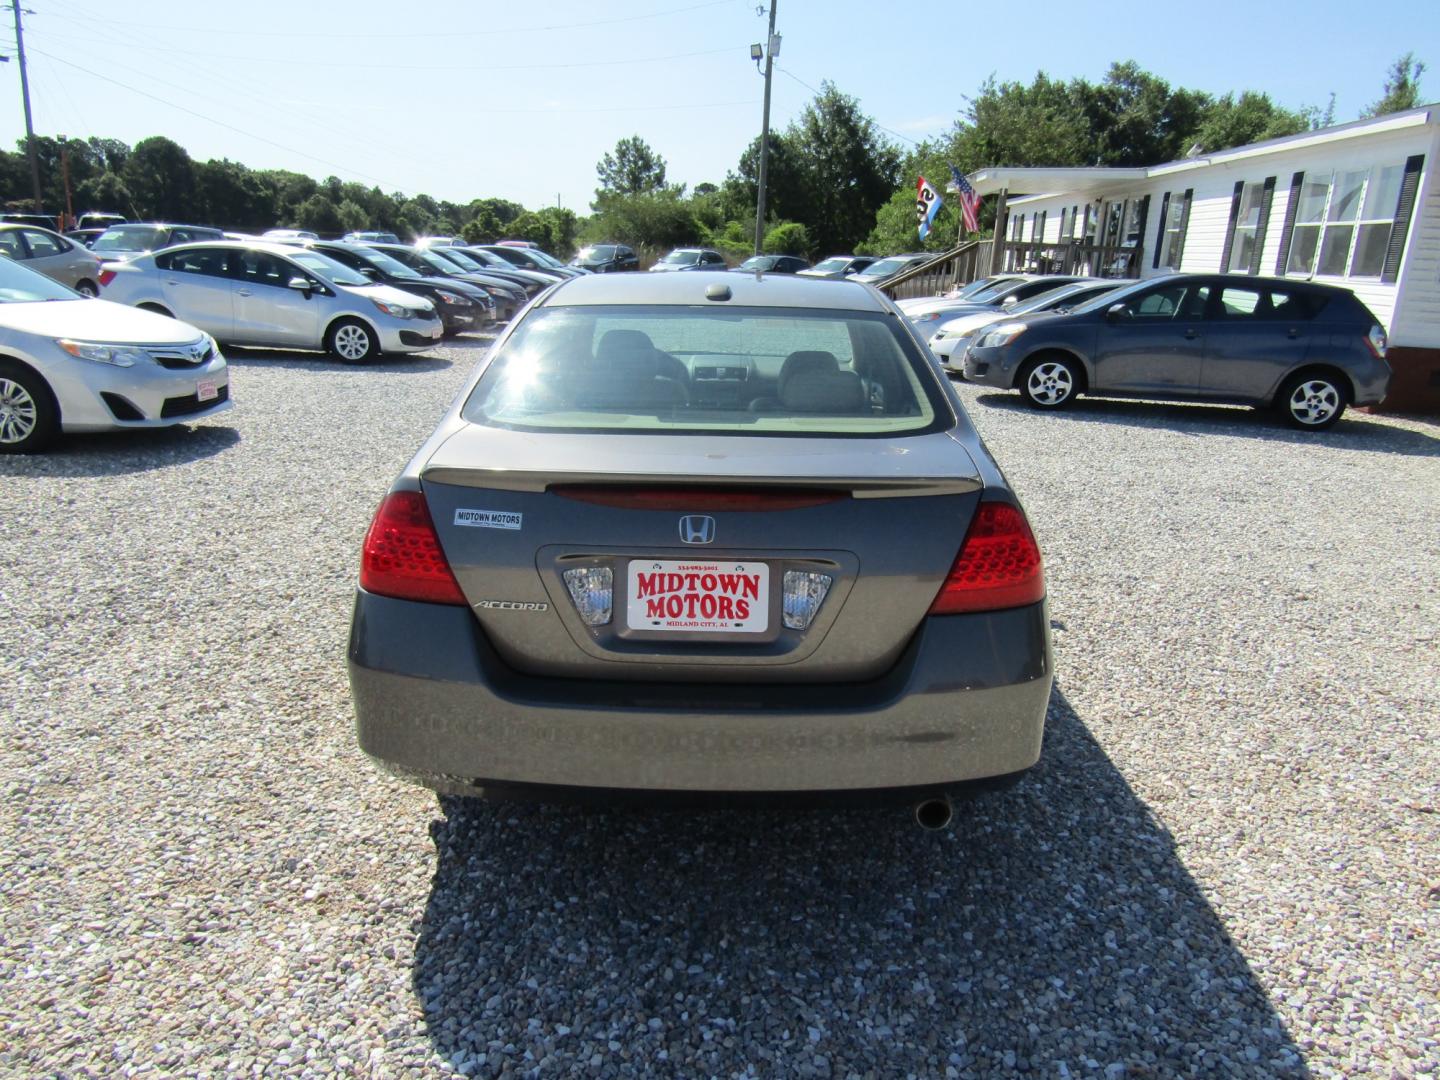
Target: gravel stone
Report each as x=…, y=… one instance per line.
x=1226, y=863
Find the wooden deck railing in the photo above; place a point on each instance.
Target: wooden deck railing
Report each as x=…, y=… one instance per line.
x=1086, y=260
x=948, y=269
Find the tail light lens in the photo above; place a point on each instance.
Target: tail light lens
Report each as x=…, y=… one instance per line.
x=402, y=556
x=1376, y=342
x=998, y=565
x=106, y=276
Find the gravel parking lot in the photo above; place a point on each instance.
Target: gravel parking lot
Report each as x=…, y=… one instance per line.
x=1226, y=864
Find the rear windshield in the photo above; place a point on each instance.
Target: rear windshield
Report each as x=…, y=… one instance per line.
x=741, y=371
x=129, y=238
x=601, y=251
x=681, y=258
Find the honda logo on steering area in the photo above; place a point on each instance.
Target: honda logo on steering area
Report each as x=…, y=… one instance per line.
x=697, y=529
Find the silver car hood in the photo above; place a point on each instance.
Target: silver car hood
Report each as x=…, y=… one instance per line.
x=96, y=320
x=478, y=456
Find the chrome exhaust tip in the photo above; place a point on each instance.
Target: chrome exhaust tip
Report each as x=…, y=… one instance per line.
x=934, y=814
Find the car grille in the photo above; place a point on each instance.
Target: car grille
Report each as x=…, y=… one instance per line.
x=191, y=403
x=183, y=356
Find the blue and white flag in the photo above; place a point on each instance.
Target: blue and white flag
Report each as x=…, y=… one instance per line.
x=927, y=205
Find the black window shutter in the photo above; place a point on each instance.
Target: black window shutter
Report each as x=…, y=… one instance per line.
x=1160, y=232
x=1141, y=216
x=1291, y=209
x=1184, y=225
x=1408, y=187
x=1267, y=196
x=1230, y=227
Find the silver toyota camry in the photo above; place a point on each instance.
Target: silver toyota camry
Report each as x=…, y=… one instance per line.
x=703, y=535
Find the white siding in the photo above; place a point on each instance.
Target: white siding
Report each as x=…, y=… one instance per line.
x=1417, y=312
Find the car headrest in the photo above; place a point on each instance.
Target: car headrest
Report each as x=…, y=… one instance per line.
x=806, y=362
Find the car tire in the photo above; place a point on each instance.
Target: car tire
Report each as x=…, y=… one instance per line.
x=1313, y=400
x=352, y=342
x=29, y=417
x=1049, y=382
x=86, y=287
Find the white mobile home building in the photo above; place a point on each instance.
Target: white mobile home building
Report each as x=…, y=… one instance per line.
x=1356, y=205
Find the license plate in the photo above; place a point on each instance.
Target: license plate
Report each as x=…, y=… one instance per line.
x=207, y=390
x=696, y=597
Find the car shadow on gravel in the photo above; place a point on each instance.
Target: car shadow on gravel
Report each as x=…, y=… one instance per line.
x=300, y=361
x=1355, y=431
x=113, y=453
x=1053, y=926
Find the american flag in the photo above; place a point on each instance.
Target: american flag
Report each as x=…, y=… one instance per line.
x=969, y=201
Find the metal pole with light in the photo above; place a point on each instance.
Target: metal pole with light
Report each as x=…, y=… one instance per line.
x=771, y=51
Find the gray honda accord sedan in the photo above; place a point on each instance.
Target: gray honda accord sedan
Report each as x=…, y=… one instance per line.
x=705, y=535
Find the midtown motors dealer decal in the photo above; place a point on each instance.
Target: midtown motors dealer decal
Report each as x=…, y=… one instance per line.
x=699, y=597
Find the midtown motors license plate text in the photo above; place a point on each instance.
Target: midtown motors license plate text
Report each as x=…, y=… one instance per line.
x=698, y=597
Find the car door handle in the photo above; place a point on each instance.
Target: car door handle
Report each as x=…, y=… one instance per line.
x=1292, y=333
x=1191, y=334
x=243, y=292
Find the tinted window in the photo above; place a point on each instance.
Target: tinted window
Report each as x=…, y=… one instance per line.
x=628, y=369
x=210, y=262
x=43, y=244
x=261, y=268
x=1181, y=301
x=10, y=244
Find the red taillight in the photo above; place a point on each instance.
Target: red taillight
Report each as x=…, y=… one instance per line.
x=998, y=565
x=402, y=556
x=697, y=498
x=106, y=276
x=1375, y=341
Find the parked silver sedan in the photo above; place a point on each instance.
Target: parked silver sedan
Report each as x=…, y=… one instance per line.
x=276, y=295
x=71, y=363
x=703, y=534
x=53, y=255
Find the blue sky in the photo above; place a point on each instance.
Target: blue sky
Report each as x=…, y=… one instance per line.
x=470, y=98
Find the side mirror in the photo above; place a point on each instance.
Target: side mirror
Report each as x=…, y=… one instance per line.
x=1009, y=301
x=370, y=271
x=302, y=284
x=1118, y=313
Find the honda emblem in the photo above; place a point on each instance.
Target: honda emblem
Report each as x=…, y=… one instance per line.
x=697, y=529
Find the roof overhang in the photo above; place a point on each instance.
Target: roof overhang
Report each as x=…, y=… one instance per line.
x=1031, y=181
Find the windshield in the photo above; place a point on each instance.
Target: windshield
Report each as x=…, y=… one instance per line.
x=329, y=269
x=21, y=285
x=598, y=253
x=887, y=266
x=392, y=267
x=141, y=238
x=1114, y=296
x=975, y=288
x=833, y=264
x=681, y=258
x=460, y=259
x=758, y=262
x=545, y=258
x=741, y=371
x=438, y=264
x=1043, y=301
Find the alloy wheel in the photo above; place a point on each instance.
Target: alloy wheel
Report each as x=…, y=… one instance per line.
x=18, y=413
x=352, y=342
x=1314, y=401
x=1050, y=383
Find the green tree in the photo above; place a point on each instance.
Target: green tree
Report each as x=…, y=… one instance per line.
x=1252, y=117
x=1135, y=118
x=353, y=216
x=633, y=169
x=227, y=193
x=1402, y=87
x=851, y=170
x=105, y=192
x=1015, y=124
x=318, y=214
x=659, y=219
x=787, y=238
x=161, y=176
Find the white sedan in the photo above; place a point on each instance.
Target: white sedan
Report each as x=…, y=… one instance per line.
x=69, y=363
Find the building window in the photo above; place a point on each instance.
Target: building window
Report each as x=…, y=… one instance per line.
x=1247, y=228
x=1343, y=222
x=1173, y=220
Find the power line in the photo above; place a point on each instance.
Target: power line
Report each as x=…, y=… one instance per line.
x=882, y=127
x=445, y=34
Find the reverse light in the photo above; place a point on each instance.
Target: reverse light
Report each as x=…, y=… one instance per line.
x=114, y=355
x=592, y=589
x=805, y=591
x=402, y=556
x=998, y=565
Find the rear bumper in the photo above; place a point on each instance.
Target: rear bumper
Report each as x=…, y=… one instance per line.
x=435, y=704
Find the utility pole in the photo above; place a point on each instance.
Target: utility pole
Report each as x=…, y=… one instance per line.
x=29, y=127
x=771, y=46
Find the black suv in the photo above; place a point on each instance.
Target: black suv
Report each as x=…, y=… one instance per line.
x=1307, y=350
x=606, y=258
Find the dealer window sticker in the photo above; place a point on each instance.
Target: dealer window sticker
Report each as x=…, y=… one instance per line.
x=489, y=519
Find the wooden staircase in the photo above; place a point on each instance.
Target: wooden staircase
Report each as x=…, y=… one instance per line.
x=945, y=271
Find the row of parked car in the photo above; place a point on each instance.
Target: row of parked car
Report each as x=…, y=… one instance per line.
x=1306, y=350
